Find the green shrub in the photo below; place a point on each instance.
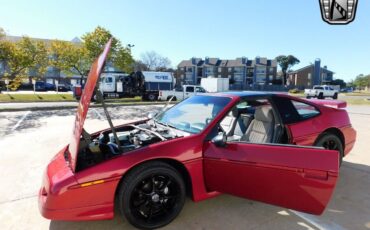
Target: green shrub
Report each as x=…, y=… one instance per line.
x=294, y=91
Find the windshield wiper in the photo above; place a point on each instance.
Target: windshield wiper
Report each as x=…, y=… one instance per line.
x=165, y=124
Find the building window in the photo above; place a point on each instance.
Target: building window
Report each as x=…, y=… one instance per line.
x=230, y=69
x=309, y=76
x=219, y=69
x=261, y=70
x=210, y=71
x=260, y=78
x=189, y=77
x=189, y=69
x=239, y=70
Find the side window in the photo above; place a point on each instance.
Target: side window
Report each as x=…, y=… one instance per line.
x=287, y=111
x=108, y=80
x=190, y=89
x=199, y=90
x=305, y=110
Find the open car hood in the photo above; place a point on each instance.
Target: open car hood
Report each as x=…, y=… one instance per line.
x=84, y=103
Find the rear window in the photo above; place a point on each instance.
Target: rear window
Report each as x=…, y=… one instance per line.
x=318, y=87
x=292, y=111
x=305, y=110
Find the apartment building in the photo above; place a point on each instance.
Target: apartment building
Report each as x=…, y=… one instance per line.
x=242, y=72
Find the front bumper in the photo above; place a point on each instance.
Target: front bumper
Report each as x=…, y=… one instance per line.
x=61, y=197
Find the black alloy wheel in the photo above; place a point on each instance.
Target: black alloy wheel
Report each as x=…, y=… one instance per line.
x=331, y=142
x=152, y=195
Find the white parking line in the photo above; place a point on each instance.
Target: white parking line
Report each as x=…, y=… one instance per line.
x=99, y=115
x=318, y=223
x=20, y=121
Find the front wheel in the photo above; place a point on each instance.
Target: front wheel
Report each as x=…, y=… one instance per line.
x=151, y=195
x=331, y=142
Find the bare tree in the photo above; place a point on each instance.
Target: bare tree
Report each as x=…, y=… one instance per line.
x=155, y=61
x=140, y=66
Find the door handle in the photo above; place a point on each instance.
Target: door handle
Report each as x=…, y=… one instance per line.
x=315, y=174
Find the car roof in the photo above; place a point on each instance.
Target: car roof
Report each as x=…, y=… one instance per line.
x=245, y=93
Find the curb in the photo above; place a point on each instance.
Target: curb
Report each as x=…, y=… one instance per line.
x=75, y=106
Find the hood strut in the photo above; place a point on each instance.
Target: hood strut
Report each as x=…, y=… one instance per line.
x=101, y=98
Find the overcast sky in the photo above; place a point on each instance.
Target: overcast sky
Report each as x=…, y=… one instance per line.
x=184, y=29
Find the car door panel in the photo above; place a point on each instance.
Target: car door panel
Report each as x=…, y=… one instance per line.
x=302, y=179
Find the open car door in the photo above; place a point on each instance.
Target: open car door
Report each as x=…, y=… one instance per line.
x=294, y=177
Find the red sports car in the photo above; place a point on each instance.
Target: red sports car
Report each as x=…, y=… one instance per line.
x=267, y=147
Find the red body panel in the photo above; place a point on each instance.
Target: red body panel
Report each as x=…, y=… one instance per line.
x=308, y=174
x=307, y=132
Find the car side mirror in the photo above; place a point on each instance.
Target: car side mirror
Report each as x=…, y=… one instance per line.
x=151, y=115
x=220, y=139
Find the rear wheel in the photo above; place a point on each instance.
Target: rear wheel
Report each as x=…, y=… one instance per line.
x=321, y=96
x=335, y=96
x=151, y=97
x=331, y=142
x=152, y=195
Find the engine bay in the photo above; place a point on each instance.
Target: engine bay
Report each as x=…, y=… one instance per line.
x=97, y=148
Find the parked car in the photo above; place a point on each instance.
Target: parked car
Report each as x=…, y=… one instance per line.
x=63, y=88
x=246, y=144
x=180, y=93
x=44, y=86
x=321, y=92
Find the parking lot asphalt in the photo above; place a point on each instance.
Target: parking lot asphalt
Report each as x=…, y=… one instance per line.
x=29, y=139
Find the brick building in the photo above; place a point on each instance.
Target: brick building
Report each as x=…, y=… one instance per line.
x=310, y=75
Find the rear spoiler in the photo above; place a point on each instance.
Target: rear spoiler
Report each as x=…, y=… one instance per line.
x=330, y=103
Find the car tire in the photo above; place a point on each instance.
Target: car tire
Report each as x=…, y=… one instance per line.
x=151, y=97
x=321, y=96
x=335, y=96
x=308, y=97
x=151, y=195
x=332, y=142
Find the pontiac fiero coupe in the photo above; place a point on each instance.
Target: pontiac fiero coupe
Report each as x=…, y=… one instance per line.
x=267, y=147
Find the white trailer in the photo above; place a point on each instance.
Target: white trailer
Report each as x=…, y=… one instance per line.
x=212, y=85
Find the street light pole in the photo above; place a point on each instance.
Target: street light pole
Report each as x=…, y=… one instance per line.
x=130, y=46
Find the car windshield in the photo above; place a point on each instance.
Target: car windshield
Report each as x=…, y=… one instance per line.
x=193, y=114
